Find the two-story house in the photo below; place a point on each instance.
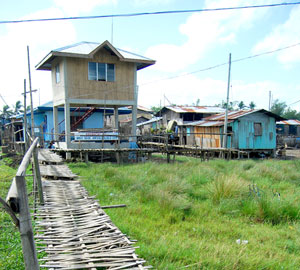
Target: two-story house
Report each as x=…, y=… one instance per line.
x=88, y=74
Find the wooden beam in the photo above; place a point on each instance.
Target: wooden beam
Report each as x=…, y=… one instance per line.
x=25, y=228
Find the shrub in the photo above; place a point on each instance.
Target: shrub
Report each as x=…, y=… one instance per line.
x=268, y=208
x=225, y=187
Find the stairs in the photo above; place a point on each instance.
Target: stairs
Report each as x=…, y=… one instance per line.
x=83, y=118
x=86, y=115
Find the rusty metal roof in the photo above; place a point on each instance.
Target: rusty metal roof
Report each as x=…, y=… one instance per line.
x=292, y=122
x=195, y=109
x=237, y=114
x=204, y=123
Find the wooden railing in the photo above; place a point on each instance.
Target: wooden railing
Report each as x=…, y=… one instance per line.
x=17, y=203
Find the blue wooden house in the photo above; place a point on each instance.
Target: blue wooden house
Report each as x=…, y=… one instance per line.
x=80, y=118
x=251, y=130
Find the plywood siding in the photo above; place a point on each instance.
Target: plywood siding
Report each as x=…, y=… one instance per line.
x=209, y=137
x=79, y=87
x=58, y=88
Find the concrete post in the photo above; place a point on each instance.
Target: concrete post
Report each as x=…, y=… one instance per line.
x=55, y=123
x=116, y=114
x=134, y=107
x=67, y=124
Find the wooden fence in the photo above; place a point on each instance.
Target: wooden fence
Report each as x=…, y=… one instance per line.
x=17, y=204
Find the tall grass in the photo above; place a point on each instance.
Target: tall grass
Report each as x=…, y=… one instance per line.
x=190, y=214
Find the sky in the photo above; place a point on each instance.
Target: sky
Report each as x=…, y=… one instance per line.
x=183, y=45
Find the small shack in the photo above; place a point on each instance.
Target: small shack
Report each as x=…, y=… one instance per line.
x=288, y=127
x=186, y=114
x=250, y=130
x=150, y=126
x=288, y=133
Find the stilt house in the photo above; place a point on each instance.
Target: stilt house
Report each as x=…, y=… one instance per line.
x=251, y=130
x=93, y=75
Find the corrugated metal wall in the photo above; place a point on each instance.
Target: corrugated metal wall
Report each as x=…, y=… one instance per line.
x=244, y=129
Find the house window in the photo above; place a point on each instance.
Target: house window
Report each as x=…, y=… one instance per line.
x=101, y=72
x=57, y=74
x=257, y=129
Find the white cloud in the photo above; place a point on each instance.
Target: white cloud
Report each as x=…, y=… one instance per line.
x=204, y=31
x=283, y=35
x=75, y=7
x=151, y=2
x=187, y=89
x=41, y=37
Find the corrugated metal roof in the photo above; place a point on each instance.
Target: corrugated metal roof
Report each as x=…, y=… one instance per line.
x=204, y=123
x=237, y=114
x=293, y=122
x=154, y=119
x=196, y=109
x=87, y=49
x=142, y=108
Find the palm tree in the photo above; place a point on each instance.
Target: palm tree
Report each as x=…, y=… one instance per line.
x=6, y=112
x=18, y=107
x=241, y=105
x=252, y=105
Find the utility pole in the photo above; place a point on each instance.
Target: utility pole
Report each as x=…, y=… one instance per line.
x=25, y=118
x=227, y=102
x=30, y=90
x=270, y=100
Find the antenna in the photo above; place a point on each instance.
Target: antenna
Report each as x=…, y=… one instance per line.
x=112, y=30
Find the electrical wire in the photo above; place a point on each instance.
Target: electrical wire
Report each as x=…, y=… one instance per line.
x=225, y=63
x=150, y=13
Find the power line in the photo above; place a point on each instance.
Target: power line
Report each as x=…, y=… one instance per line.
x=226, y=63
x=294, y=102
x=150, y=13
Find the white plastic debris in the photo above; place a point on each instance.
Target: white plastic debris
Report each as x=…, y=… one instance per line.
x=243, y=242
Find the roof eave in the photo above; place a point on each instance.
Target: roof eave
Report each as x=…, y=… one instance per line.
x=49, y=58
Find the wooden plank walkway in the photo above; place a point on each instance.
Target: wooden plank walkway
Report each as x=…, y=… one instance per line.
x=46, y=156
x=75, y=233
x=56, y=172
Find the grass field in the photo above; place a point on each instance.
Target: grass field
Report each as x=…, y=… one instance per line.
x=189, y=215
x=10, y=243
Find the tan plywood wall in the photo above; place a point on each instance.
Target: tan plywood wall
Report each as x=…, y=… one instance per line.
x=209, y=138
x=79, y=87
x=58, y=88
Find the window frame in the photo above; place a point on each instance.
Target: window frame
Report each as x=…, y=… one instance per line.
x=57, y=74
x=100, y=77
x=257, y=128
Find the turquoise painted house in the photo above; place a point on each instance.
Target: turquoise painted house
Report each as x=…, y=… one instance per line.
x=43, y=119
x=251, y=130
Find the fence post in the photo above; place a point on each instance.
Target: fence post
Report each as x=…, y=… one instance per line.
x=37, y=176
x=26, y=233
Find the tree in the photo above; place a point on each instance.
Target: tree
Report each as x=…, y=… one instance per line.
x=18, y=107
x=291, y=114
x=252, y=105
x=241, y=105
x=6, y=112
x=278, y=107
x=156, y=109
x=224, y=105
